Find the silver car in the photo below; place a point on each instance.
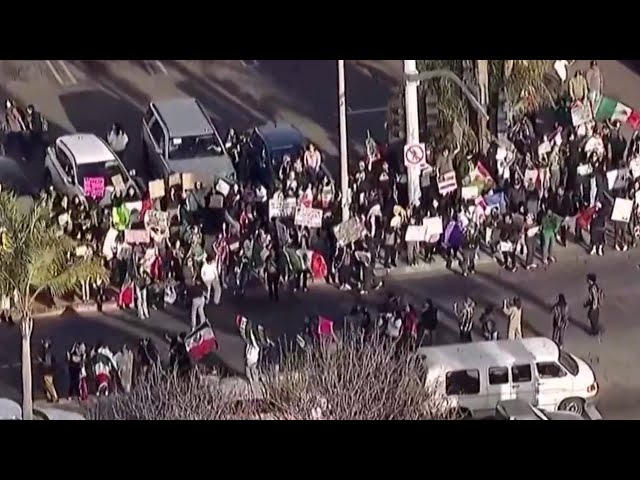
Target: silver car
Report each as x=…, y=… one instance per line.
x=80, y=156
x=179, y=137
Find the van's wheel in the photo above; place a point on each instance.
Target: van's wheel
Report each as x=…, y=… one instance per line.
x=465, y=413
x=572, y=405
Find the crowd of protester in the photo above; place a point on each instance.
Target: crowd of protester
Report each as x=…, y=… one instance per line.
x=198, y=242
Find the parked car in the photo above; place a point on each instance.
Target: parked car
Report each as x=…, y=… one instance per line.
x=268, y=144
x=479, y=375
x=179, y=137
x=11, y=410
x=80, y=156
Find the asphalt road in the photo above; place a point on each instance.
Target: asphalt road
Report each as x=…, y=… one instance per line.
x=613, y=361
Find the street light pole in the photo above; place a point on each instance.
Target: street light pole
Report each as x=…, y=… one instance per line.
x=344, y=164
x=413, y=127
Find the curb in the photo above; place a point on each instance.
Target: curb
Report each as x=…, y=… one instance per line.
x=78, y=308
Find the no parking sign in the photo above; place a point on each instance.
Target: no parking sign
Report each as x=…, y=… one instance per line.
x=415, y=155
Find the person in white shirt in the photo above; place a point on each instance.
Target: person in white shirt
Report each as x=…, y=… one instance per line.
x=118, y=140
x=312, y=160
x=210, y=275
x=252, y=356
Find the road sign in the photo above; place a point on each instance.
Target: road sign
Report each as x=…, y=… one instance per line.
x=414, y=155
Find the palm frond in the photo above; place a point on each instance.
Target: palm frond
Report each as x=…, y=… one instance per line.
x=34, y=257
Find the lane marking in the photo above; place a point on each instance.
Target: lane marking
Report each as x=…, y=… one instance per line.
x=250, y=63
x=161, y=66
x=67, y=71
x=54, y=71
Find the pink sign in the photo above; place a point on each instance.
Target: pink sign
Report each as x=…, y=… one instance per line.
x=94, y=187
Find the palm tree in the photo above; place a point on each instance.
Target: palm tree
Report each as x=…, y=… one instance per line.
x=35, y=257
x=523, y=82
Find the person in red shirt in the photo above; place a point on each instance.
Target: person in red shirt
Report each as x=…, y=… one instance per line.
x=410, y=327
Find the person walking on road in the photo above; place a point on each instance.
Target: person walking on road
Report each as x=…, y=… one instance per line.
x=197, y=293
x=272, y=275
x=48, y=366
x=210, y=273
x=465, y=318
x=429, y=322
x=594, y=84
x=593, y=304
x=560, y=314
x=578, y=87
x=513, y=310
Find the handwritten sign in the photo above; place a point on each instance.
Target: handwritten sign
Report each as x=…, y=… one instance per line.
x=622, y=209
x=434, y=229
x=308, y=217
x=416, y=233
x=156, y=188
x=188, y=181
x=136, y=236
x=94, y=187
x=118, y=183
x=174, y=179
x=223, y=188
x=275, y=208
x=470, y=193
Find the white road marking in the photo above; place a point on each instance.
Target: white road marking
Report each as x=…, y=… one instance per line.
x=250, y=63
x=161, y=66
x=65, y=67
x=54, y=71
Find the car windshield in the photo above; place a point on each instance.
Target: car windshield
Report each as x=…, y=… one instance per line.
x=568, y=363
x=104, y=170
x=194, y=147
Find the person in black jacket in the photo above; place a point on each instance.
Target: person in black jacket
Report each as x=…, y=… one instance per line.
x=428, y=322
x=562, y=204
x=469, y=246
x=36, y=127
x=272, y=274
x=516, y=195
x=597, y=231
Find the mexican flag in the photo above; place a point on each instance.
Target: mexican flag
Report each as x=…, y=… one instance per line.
x=481, y=178
x=201, y=342
x=610, y=109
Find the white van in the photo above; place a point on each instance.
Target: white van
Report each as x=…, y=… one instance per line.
x=479, y=375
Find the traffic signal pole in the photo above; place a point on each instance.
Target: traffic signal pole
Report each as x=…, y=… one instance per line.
x=413, y=127
x=344, y=163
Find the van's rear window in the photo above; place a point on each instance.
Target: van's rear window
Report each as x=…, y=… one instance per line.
x=569, y=363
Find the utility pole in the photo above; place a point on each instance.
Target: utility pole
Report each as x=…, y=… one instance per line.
x=344, y=162
x=413, y=127
x=482, y=74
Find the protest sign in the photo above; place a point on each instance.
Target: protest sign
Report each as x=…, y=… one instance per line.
x=109, y=243
x=470, y=193
x=447, y=183
x=174, y=179
x=223, y=188
x=580, y=114
x=416, y=233
x=617, y=179
x=118, y=183
x=622, y=210
x=155, y=219
x=156, y=188
x=188, y=181
x=349, y=231
x=216, y=201
x=82, y=251
x=136, y=236
x=94, y=187
x=289, y=207
x=275, y=207
x=434, y=228
x=308, y=217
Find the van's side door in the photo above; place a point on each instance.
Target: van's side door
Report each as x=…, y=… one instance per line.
x=498, y=386
x=553, y=384
x=523, y=386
